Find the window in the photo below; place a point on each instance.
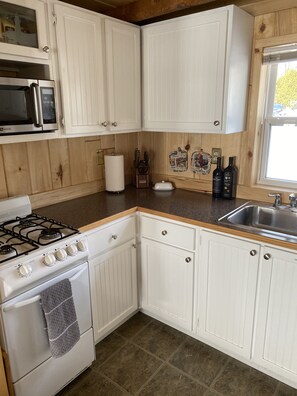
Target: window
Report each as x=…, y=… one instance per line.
x=279, y=144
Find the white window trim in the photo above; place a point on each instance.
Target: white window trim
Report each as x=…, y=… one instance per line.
x=268, y=121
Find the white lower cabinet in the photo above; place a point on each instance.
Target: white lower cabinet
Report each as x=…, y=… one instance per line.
x=113, y=275
x=167, y=270
x=276, y=320
x=227, y=286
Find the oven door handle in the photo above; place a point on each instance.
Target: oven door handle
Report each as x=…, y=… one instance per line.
x=21, y=303
x=36, y=298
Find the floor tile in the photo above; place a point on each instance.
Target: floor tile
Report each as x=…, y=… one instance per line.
x=159, y=339
x=238, y=379
x=170, y=382
x=107, y=347
x=199, y=360
x=130, y=367
x=133, y=325
x=286, y=390
x=92, y=384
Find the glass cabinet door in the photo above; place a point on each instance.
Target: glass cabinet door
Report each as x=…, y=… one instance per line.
x=23, y=29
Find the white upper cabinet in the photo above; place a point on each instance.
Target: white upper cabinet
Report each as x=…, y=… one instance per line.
x=99, y=93
x=123, y=76
x=80, y=54
x=23, y=29
x=196, y=72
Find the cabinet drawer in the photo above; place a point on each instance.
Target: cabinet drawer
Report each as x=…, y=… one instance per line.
x=167, y=232
x=110, y=236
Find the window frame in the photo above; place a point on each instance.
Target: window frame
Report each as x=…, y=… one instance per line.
x=267, y=122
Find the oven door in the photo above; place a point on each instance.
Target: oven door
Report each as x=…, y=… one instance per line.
x=25, y=336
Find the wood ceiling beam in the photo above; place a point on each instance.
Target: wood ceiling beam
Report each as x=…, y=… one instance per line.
x=144, y=10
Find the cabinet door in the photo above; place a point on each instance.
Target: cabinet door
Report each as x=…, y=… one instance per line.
x=167, y=282
x=123, y=75
x=23, y=28
x=227, y=292
x=276, y=324
x=183, y=71
x=79, y=40
x=113, y=288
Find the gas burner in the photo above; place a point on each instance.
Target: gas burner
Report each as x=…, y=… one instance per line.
x=6, y=249
x=24, y=223
x=50, y=233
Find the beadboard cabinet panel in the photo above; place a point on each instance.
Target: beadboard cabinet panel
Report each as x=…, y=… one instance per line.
x=80, y=54
x=123, y=75
x=276, y=326
x=227, y=292
x=196, y=72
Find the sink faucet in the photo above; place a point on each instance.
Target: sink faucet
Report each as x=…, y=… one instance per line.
x=292, y=199
x=277, y=199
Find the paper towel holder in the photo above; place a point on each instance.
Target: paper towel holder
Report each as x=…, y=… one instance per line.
x=114, y=173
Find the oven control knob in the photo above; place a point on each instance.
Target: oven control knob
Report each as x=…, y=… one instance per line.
x=61, y=255
x=24, y=270
x=81, y=245
x=49, y=260
x=71, y=250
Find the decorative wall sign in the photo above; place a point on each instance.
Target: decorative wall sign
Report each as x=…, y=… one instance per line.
x=200, y=162
x=178, y=160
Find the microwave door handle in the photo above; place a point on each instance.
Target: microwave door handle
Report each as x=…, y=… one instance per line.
x=37, y=105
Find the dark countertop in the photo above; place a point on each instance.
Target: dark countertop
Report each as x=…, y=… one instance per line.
x=189, y=205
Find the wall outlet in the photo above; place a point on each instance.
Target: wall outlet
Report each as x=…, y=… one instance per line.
x=100, y=157
x=215, y=153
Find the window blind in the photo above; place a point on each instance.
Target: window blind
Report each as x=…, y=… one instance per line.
x=280, y=53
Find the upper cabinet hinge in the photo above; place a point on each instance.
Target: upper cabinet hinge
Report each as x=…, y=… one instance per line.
x=54, y=18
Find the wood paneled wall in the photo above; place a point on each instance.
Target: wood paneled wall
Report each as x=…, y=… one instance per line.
x=54, y=170
x=270, y=29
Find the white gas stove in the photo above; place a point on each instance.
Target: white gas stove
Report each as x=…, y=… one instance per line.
x=33, y=248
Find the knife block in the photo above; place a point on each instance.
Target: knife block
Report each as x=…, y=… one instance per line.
x=142, y=180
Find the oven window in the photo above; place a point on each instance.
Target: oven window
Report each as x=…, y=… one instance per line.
x=15, y=106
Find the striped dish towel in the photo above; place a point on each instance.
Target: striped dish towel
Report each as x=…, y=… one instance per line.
x=60, y=317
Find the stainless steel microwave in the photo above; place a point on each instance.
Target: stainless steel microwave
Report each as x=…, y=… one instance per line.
x=27, y=106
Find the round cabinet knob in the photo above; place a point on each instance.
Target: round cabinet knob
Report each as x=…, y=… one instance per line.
x=114, y=124
x=164, y=232
x=46, y=49
x=114, y=237
x=188, y=259
x=216, y=123
x=81, y=246
x=24, y=270
x=267, y=256
x=49, y=260
x=253, y=252
x=71, y=250
x=104, y=124
x=61, y=255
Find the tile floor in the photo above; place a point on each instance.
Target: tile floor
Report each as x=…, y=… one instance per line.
x=147, y=358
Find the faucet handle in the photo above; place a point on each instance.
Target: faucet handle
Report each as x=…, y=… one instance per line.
x=292, y=199
x=277, y=198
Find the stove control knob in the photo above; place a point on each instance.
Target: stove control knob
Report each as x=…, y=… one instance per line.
x=81, y=245
x=24, y=270
x=71, y=250
x=61, y=255
x=49, y=260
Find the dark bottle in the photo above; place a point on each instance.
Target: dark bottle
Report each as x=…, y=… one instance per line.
x=217, y=180
x=229, y=180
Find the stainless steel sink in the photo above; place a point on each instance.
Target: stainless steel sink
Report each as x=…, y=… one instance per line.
x=264, y=219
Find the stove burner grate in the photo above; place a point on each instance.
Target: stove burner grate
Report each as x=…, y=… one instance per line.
x=50, y=233
x=6, y=249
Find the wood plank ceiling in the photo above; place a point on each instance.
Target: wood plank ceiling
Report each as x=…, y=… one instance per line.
x=145, y=11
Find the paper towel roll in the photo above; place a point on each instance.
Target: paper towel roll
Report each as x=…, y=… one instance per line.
x=114, y=173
